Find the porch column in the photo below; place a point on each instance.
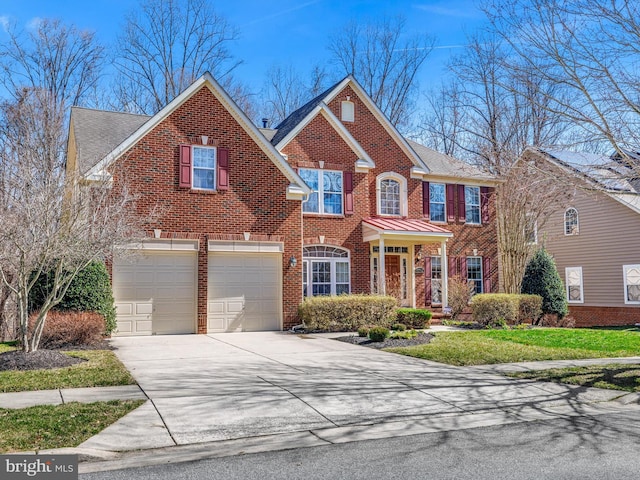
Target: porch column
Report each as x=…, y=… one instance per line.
x=445, y=274
x=382, y=281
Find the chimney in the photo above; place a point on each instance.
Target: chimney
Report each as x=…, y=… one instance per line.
x=265, y=121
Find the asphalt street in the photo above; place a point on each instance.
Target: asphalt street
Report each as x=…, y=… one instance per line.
x=586, y=447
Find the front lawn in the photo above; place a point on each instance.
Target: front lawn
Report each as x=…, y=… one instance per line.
x=102, y=369
x=508, y=346
x=613, y=376
x=55, y=426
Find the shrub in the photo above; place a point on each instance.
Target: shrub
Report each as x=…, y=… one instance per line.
x=378, y=334
x=399, y=327
x=64, y=329
x=407, y=334
x=89, y=291
x=530, y=308
x=489, y=308
x=363, y=332
x=347, y=312
x=414, y=317
x=460, y=291
x=550, y=320
x=541, y=278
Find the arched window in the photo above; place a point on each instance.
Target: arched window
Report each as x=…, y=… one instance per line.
x=571, y=226
x=325, y=270
x=392, y=194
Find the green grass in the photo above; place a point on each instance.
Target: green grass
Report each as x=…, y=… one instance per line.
x=507, y=346
x=612, y=376
x=101, y=370
x=56, y=426
x=7, y=346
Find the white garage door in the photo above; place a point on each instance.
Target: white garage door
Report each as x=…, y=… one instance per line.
x=156, y=294
x=245, y=292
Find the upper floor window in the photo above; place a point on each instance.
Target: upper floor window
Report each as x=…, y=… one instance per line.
x=347, y=111
x=631, y=275
x=326, y=195
x=392, y=194
x=437, y=202
x=571, y=226
x=472, y=204
x=204, y=168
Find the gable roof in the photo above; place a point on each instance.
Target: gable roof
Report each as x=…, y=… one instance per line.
x=297, y=189
x=97, y=132
x=445, y=167
x=292, y=121
x=605, y=173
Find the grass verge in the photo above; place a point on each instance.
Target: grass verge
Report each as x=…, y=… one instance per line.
x=508, y=346
x=56, y=426
x=613, y=376
x=102, y=369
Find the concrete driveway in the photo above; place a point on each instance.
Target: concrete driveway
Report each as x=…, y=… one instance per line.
x=205, y=388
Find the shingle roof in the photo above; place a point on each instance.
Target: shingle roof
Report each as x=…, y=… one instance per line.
x=300, y=114
x=446, y=165
x=98, y=132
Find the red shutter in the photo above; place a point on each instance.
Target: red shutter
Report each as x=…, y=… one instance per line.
x=451, y=201
x=223, y=169
x=463, y=268
x=485, y=193
x=486, y=274
x=427, y=280
x=185, y=166
x=461, y=206
x=348, y=193
x=453, y=266
x=425, y=199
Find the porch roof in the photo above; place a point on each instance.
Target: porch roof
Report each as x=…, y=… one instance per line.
x=413, y=229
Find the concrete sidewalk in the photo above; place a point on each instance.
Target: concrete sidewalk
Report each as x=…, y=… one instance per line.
x=67, y=395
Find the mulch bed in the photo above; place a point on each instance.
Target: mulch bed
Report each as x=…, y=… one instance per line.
x=421, y=339
x=38, y=360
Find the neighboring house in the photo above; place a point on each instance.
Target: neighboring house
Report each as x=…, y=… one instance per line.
x=594, y=240
x=250, y=221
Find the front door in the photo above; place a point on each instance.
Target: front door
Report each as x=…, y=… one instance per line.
x=392, y=275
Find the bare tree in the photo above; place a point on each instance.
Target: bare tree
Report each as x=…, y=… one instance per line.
x=586, y=49
x=51, y=224
x=385, y=61
x=165, y=47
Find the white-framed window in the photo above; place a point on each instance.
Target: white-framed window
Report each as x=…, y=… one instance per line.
x=391, y=194
x=571, y=225
x=347, y=111
x=531, y=230
x=474, y=273
x=204, y=167
x=327, y=194
x=631, y=275
x=325, y=270
x=437, y=202
x=472, y=204
x=573, y=277
x=436, y=280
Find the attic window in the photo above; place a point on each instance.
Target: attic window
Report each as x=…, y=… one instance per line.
x=348, y=111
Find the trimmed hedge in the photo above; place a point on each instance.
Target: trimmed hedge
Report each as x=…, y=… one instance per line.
x=414, y=317
x=347, y=312
x=498, y=308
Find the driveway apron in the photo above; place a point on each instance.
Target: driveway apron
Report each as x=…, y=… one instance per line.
x=226, y=386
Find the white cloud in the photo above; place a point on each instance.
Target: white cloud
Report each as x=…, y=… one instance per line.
x=34, y=23
x=447, y=11
x=4, y=22
x=282, y=12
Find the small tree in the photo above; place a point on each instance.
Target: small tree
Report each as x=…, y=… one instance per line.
x=541, y=278
x=460, y=293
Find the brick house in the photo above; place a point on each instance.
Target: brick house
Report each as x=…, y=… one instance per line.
x=250, y=221
x=602, y=280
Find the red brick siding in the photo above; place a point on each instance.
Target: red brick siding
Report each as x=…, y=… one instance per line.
x=604, y=316
x=255, y=202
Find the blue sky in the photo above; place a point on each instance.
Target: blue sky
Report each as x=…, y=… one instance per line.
x=278, y=31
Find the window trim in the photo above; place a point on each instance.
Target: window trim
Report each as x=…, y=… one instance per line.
x=444, y=203
x=402, y=181
x=307, y=272
x=467, y=205
x=566, y=281
x=481, y=279
x=624, y=283
x=534, y=231
x=214, y=168
x=321, y=193
x=352, y=111
x=576, y=228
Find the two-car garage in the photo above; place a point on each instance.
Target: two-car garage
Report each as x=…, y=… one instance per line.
x=156, y=288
